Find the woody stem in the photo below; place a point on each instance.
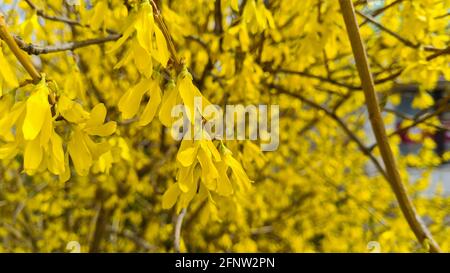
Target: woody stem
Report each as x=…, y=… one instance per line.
x=414, y=221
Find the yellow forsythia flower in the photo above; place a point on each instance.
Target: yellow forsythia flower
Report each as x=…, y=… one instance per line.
x=7, y=76
x=82, y=149
x=131, y=100
x=149, y=42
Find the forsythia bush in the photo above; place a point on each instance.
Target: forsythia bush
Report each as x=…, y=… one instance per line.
x=87, y=155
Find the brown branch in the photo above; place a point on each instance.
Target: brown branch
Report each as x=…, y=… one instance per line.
x=33, y=49
x=387, y=30
x=332, y=81
x=316, y=77
x=418, y=227
x=383, y=9
x=218, y=27
x=40, y=12
x=407, y=117
x=101, y=221
x=442, y=16
x=439, y=53
x=177, y=235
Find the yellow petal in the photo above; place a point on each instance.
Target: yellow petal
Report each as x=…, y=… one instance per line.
x=170, y=196
x=104, y=130
x=142, y=60
x=10, y=119
x=238, y=171
x=152, y=105
x=186, y=197
x=161, y=54
x=95, y=126
x=6, y=73
x=79, y=153
x=46, y=130
x=209, y=171
x=188, y=93
x=169, y=100
x=208, y=144
x=37, y=111
x=187, y=156
x=97, y=116
x=144, y=26
x=130, y=102
x=55, y=162
x=99, y=15
x=243, y=37
x=32, y=156
x=423, y=100
x=186, y=178
x=96, y=149
x=224, y=186
x=8, y=150
x=72, y=111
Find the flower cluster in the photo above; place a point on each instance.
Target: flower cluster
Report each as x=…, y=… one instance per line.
x=37, y=128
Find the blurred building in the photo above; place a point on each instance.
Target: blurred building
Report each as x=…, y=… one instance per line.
x=441, y=137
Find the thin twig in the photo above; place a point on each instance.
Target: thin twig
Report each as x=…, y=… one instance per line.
x=439, y=53
x=387, y=30
x=333, y=81
x=33, y=49
x=383, y=9
x=177, y=235
x=393, y=34
x=407, y=117
x=40, y=12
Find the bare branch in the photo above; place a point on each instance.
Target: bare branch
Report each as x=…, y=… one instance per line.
x=407, y=117
x=332, y=81
x=42, y=14
x=439, y=53
x=33, y=49
x=61, y=19
x=177, y=235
